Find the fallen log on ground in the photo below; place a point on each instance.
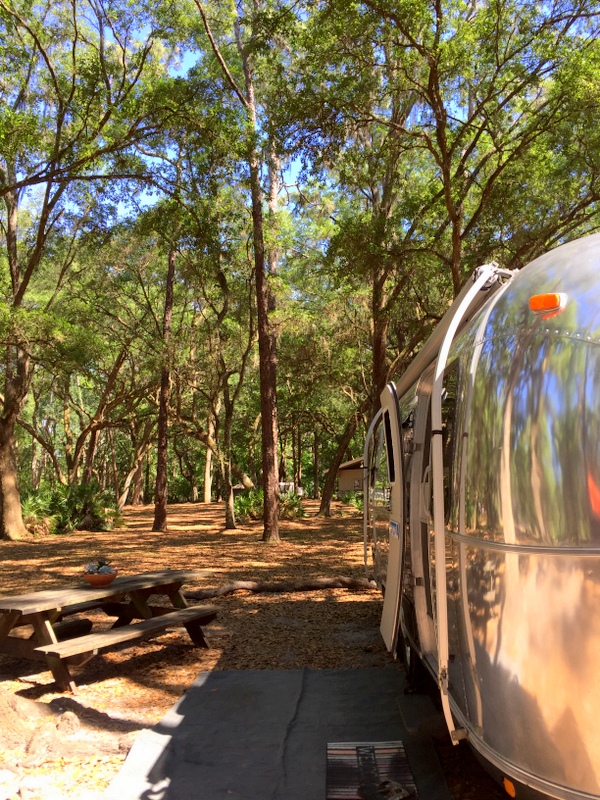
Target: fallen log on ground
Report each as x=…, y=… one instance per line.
x=264, y=587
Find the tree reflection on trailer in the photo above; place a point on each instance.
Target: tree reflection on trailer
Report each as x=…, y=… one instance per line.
x=482, y=520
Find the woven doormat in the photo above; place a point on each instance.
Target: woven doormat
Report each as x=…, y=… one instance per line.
x=368, y=771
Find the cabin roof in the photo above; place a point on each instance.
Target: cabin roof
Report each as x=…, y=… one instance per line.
x=355, y=463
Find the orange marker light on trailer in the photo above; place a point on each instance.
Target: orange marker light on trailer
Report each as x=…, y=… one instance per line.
x=548, y=305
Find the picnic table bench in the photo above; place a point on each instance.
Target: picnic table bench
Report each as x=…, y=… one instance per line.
x=126, y=599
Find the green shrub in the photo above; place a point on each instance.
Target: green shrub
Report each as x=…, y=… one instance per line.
x=354, y=499
x=290, y=506
x=36, y=517
x=249, y=505
x=180, y=490
x=66, y=508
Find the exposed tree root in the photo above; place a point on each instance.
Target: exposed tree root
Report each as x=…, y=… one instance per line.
x=262, y=587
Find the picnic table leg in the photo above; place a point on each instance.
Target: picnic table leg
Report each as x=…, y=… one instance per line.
x=177, y=598
x=7, y=623
x=44, y=634
x=139, y=599
x=194, y=629
x=196, y=634
x=138, y=604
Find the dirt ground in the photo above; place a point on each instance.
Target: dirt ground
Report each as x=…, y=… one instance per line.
x=55, y=745
x=71, y=746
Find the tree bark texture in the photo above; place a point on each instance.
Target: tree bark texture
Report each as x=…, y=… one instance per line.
x=16, y=382
x=266, y=336
x=208, y=463
x=268, y=373
x=379, y=341
x=161, y=486
x=316, y=466
x=230, y=523
x=138, y=485
x=10, y=500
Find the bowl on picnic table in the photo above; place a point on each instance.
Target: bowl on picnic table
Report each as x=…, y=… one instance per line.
x=99, y=579
x=99, y=573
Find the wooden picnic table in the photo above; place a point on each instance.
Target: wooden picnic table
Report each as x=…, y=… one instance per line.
x=32, y=625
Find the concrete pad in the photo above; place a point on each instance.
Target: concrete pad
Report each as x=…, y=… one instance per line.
x=263, y=734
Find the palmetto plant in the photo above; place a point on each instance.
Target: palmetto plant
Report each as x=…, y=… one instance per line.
x=67, y=508
x=250, y=506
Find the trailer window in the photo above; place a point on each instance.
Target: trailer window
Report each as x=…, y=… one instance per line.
x=389, y=447
x=380, y=493
x=380, y=480
x=449, y=394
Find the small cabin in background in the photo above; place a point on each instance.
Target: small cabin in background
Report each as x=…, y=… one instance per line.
x=350, y=476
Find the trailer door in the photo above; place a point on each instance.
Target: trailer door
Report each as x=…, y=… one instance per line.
x=393, y=585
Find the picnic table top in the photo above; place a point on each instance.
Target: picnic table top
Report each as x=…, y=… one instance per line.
x=56, y=599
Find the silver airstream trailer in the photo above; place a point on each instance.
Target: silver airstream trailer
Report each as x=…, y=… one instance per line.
x=482, y=519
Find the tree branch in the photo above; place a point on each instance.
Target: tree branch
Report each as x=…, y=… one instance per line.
x=229, y=77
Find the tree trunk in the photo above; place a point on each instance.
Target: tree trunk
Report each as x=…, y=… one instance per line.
x=35, y=465
x=10, y=500
x=208, y=476
x=380, y=365
x=161, y=485
x=329, y=487
x=316, y=466
x=230, y=523
x=380, y=324
x=208, y=463
x=115, y=471
x=296, y=455
x=342, y=447
x=16, y=382
x=68, y=445
x=138, y=481
x=92, y=429
x=17, y=368
x=228, y=403
x=133, y=477
x=186, y=468
x=103, y=472
x=147, y=488
x=282, y=468
x=141, y=443
x=90, y=456
x=267, y=365
x=266, y=335
x=161, y=488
